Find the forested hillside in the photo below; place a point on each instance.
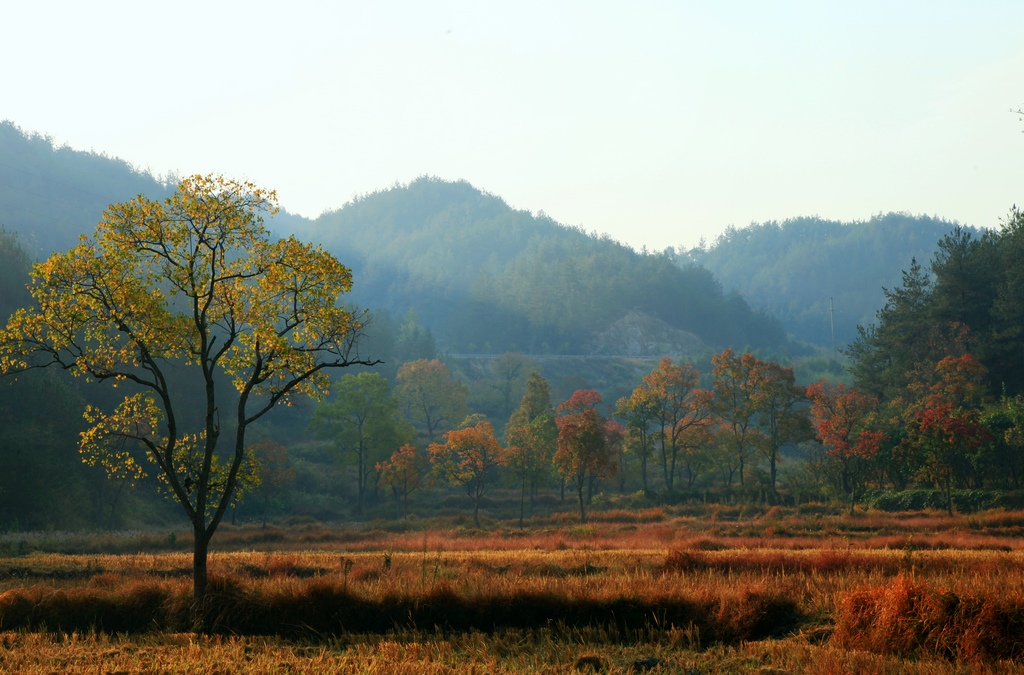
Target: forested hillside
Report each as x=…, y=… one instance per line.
x=487, y=278
x=50, y=195
x=791, y=270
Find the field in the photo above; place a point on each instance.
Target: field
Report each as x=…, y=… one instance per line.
x=682, y=590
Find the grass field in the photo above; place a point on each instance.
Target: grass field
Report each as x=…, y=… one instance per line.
x=661, y=590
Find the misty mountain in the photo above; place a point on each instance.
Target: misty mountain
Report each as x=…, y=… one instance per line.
x=793, y=270
x=484, y=277
x=488, y=278
x=50, y=194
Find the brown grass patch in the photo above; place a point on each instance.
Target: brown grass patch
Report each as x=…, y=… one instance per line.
x=909, y=617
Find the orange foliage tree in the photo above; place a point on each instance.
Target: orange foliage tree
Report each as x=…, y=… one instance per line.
x=736, y=432
x=680, y=408
x=582, y=455
x=468, y=457
x=402, y=473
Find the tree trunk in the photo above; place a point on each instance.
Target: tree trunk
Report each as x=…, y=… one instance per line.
x=200, y=551
x=948, y=494
x=664, y=470
x=583, y=503
x=671, y=479
x=522, y=503
x=849, y=481
x=643, y=472
x=361, y=481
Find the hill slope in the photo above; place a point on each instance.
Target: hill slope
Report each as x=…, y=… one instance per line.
x=50, y=195
x=487, y=278
x=792, y=269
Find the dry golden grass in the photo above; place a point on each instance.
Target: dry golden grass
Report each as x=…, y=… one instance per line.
x=809, y=594
x=506, y=654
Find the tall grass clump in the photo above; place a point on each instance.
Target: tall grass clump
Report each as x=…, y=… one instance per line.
x=910, y=618
x=129, y=608
x=299, y=607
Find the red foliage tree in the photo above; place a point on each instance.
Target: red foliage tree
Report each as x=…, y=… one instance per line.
x=843, y=420
x=944, y=423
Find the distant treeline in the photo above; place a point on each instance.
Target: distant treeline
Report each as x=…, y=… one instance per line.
x=812, y=273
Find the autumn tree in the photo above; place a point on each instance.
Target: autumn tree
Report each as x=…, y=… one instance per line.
x=844, y=420
x=640, y=410
x=430, y=397
x=779, y=418
x=582, y=452
x=468, y=458
x=361, y=421
x=403, y=473
x=615, y=439
x=944, y=423
x=530, y=438
x=944, y=433
x=679, y=408
x=736, y=431
x=195, y=282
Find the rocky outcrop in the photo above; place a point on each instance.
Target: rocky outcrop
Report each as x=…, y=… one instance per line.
x=639, y=334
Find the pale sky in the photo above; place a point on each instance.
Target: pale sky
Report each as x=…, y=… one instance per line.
x=655, y=122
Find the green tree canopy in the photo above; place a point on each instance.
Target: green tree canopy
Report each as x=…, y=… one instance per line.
x=531, y=435
x=363, y=423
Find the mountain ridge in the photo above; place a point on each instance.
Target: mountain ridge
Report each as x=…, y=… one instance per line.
x=485, y=276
